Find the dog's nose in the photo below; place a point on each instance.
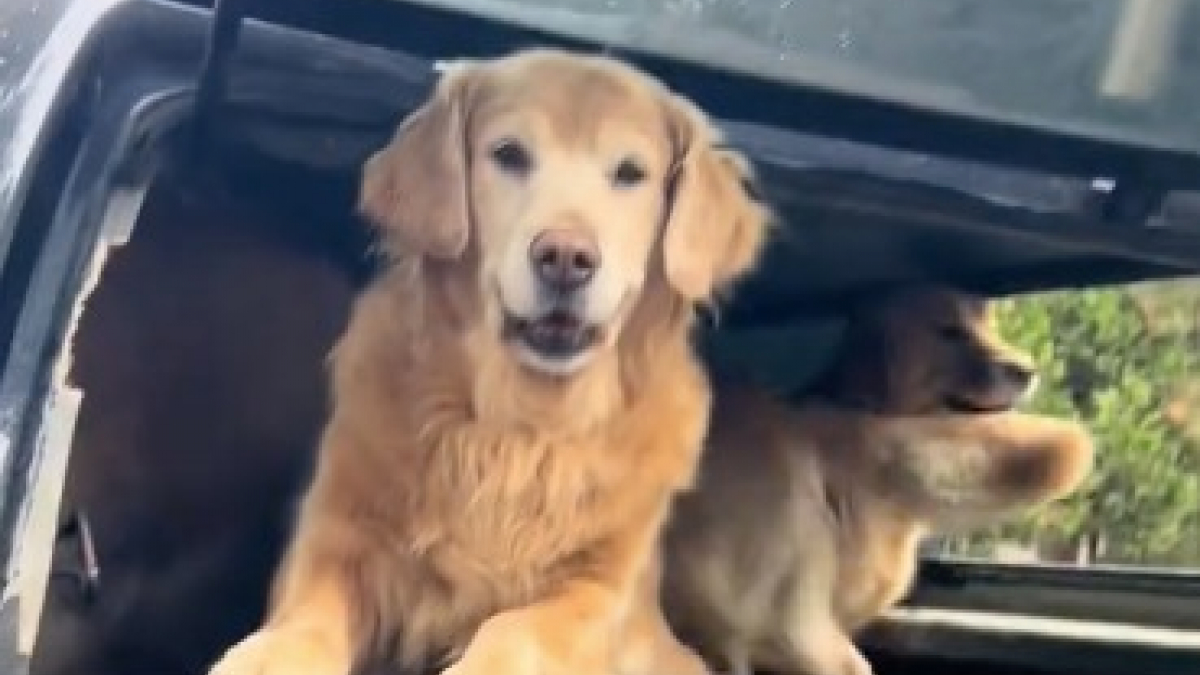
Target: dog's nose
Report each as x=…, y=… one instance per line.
x=1019, y=374
x=564, y=259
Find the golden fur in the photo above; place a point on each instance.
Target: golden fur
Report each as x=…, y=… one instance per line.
x=488, y=490
x=806, y=518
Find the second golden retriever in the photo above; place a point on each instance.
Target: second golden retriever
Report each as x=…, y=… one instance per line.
x=806, y=519
x=516, y=399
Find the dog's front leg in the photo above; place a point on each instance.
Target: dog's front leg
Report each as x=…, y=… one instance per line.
x=572, y=631
x=308, y=634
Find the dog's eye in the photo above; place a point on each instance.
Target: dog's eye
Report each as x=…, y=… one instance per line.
x=512, y=157
x=628, y=174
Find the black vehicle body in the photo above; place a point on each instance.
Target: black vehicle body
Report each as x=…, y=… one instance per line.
x=97, y=98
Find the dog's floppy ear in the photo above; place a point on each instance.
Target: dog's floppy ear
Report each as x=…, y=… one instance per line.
x=415, y=189
x=715, y=227
x=866, y=362
x=860, y=374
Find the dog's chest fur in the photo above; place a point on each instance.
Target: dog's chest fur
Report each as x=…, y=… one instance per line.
x=474, y=514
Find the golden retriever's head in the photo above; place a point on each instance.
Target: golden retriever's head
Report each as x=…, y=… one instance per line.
x=561, y=185
x=925, y=350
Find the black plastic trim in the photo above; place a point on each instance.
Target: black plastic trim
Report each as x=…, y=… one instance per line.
x=437, y=33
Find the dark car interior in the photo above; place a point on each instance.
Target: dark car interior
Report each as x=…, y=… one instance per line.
x=200, y=343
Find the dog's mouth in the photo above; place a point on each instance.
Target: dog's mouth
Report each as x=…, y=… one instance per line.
x=967, y=405
x=556, y=337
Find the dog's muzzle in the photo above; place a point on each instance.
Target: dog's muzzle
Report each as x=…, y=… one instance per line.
x=553, y=337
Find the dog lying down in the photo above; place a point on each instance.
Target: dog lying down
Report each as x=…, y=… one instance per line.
x=515, y=400
x=807, y=517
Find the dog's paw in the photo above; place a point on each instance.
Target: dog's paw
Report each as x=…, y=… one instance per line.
x=509, y=644
x=282, y=652
x=490, y=658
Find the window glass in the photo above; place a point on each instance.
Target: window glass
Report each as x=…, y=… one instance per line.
x=1115, y=68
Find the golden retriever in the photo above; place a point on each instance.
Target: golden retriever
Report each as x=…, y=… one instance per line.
x=806, y=518
x=515, y=399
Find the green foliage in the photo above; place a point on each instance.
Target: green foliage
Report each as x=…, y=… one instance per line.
x=1119, y=360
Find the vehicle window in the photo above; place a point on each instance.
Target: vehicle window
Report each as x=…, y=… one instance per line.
x=1118, y=68
x=1125, y=361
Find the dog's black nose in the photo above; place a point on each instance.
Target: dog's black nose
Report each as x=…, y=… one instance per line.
x=1019, y=374
x=564, y=259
